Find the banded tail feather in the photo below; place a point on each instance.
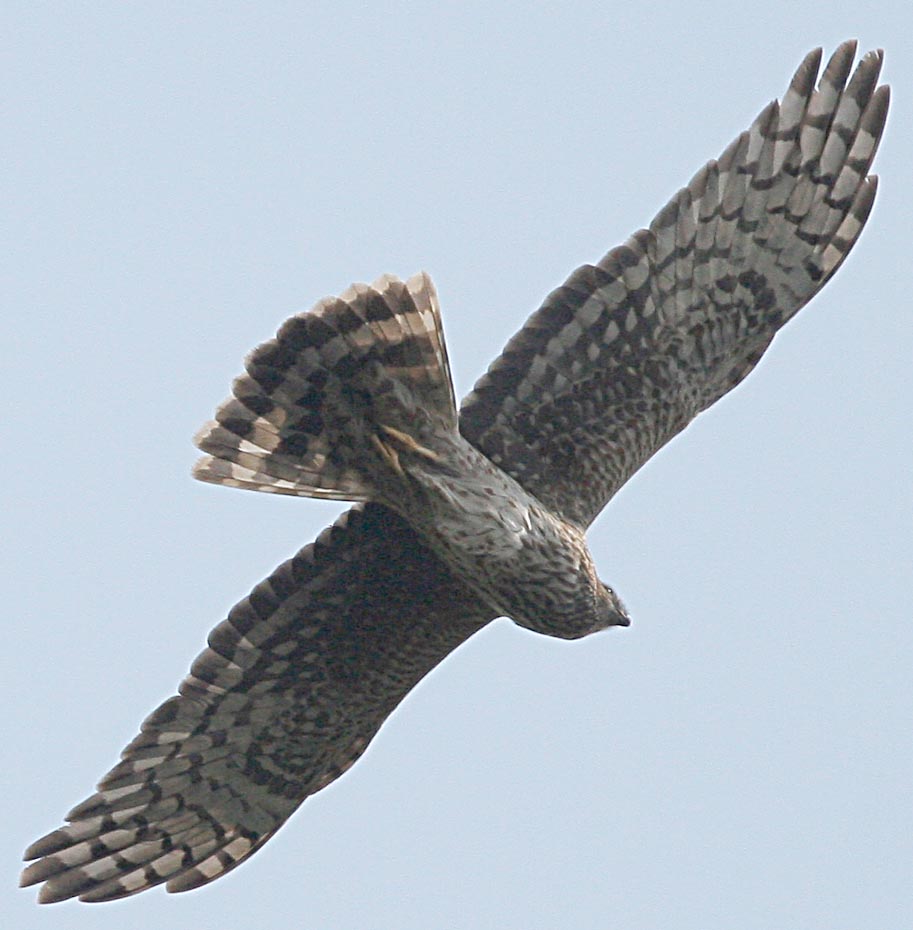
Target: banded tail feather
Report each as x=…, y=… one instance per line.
x=312, y=398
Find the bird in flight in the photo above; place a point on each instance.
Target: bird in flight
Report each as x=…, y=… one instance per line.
x=463, y=514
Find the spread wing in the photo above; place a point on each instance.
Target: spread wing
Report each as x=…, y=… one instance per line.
x=292, y=688
x=628, y=351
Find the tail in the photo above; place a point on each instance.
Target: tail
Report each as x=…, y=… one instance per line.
x=299, y=420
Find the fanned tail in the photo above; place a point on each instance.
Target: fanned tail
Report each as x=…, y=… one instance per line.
x=313, y=399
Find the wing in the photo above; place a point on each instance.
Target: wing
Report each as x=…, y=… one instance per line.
x=628, y=351
x=292, y=688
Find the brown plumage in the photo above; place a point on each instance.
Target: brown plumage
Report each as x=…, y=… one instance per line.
x=463, y=517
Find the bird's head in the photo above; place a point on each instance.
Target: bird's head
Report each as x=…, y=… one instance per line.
x=609, y=608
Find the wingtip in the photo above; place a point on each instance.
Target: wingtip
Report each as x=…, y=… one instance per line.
x=47, y=845
x=53, y=892
x=882, y=100
x=848, y=47
x=27, y=877
x=810, y=65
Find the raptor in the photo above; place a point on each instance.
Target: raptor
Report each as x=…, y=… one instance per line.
x=461, y=515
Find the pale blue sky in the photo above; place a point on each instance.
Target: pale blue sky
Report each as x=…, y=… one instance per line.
x=179, y=178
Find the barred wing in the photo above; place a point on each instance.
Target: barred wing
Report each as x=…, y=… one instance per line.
x=292, y=688
x=628, y=351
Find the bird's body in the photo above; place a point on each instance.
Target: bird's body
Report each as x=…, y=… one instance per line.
x=505, y=546
x=465, y=515
x=380, y=421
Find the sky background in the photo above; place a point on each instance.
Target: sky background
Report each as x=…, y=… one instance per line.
x=178, y=179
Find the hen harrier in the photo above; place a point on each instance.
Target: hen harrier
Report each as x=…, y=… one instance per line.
x=463, y=516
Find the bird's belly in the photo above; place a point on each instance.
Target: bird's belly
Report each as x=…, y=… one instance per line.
x=521, y=559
